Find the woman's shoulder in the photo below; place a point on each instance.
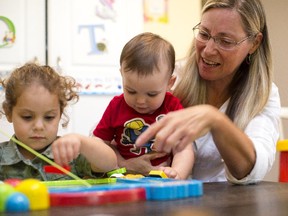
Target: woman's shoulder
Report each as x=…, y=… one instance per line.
x=274, y=90
x=274, y=98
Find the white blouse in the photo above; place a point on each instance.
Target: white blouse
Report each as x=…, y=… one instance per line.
x=263, y=130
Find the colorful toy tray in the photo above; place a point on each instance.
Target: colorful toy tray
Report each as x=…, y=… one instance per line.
x=115, y=190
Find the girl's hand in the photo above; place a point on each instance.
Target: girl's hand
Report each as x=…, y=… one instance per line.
x=66, y=148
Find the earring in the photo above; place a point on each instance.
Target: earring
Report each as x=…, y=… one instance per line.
x=248, y=59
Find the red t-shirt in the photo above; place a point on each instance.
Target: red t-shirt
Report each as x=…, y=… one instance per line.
x=123, y=124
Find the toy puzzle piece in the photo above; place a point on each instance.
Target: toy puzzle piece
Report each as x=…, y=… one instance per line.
x=117, y=172
x=155, y=188
x=123, y=189
x=67, y=183
x=157, y=173
x=166, y=188
x=52, y=169
x=97, y=197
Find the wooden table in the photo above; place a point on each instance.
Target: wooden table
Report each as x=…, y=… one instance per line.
x=265, y=199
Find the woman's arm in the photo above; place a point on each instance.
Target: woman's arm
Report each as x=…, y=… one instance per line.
x=178, y=129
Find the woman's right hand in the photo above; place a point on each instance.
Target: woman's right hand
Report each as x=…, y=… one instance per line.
x=179, y=128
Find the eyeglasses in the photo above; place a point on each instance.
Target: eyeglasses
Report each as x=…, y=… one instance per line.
x=224, y=43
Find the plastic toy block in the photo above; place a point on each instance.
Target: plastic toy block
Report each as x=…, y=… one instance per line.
x=36, y=192
x=17, y=202
x=64, y=183
x=154, y=189
x=97, y=197
x=166, y=188
x=116, y=171
x=157, y=173
x=133, y=176
x=175, y=190
x=282, y=147
x=52, y=169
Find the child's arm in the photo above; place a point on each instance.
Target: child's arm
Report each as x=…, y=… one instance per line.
x=100, y=155
x=142, y=164
x=138, y=165
x=182, y=164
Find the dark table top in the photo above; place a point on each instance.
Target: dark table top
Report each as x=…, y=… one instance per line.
x=264, y=198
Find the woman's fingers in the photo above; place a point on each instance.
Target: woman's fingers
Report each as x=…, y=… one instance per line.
x=179, y=128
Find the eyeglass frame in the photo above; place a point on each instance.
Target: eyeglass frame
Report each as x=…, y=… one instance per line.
x=217, y=39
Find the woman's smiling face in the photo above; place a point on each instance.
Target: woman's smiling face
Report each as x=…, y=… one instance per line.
x=214, y=63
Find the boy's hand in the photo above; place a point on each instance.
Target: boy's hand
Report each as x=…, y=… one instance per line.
x=170, y=172
x=142, y=164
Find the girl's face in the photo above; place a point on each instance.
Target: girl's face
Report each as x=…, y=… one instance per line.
x=36, y=117
x=216, y=64
x=145, y=94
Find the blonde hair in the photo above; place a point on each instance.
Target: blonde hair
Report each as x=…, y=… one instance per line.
x=250, y=88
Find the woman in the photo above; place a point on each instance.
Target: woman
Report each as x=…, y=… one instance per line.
x=232, y=107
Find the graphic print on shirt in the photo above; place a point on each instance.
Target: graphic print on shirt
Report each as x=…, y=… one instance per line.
x=132, y=129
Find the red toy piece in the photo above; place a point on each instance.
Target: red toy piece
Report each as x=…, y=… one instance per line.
x=97, y=197
x=282, y=147
x=52, y=169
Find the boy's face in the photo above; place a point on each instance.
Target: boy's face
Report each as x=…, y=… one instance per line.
x=36, y=117
x=145, y=94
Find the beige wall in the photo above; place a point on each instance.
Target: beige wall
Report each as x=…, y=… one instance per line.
x=277, y=17
x=183, y=16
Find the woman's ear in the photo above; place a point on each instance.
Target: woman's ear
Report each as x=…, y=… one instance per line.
x=256, y=43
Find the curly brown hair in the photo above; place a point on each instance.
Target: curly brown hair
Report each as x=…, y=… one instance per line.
x=63, y=86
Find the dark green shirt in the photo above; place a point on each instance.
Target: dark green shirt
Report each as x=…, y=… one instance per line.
x=14, y=165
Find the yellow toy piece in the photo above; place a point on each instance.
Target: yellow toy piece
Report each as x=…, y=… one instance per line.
x=157, y=173
x=36, y=192
x=133, y=176
x=282, y=145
